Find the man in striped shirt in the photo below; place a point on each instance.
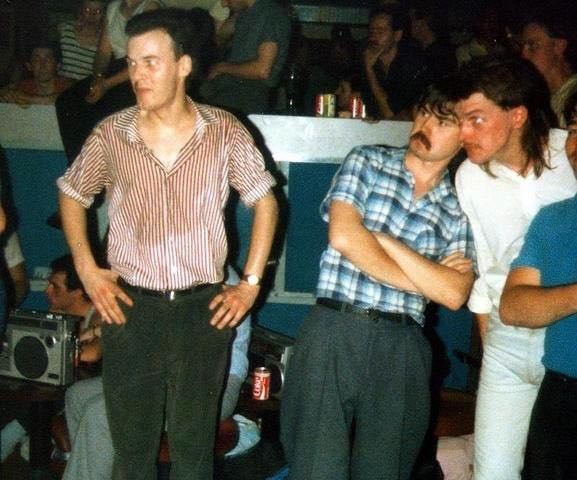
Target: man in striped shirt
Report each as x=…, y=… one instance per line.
x=167, y=165
x=356, y=403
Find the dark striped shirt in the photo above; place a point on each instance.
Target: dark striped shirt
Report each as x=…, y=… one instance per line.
x=167, y=226
x=77, y=60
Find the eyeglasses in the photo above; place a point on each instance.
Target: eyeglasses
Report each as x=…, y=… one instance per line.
x=92, y=10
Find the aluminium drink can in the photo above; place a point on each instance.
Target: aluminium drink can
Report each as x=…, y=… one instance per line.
x=325, y=105
x=261, y=383
x=357, y=107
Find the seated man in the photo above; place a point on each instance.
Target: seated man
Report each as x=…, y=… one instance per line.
x=65, y=294
x=92, y=452
x=395, y=74
x=43, y=86
x=260, y=44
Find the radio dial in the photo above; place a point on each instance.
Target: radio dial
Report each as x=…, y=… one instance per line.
x=50, y=341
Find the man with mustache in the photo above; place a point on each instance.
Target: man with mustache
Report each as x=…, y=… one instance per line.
x=516, y=165
x=541, y=291
x=356, y=403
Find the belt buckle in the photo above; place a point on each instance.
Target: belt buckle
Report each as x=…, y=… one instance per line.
x=171, y=295
x=373, y=314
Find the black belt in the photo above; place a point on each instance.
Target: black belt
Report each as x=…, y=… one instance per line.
x=166, y=294
x=371, y=313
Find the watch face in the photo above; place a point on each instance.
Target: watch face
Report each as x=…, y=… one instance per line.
x=252, y=279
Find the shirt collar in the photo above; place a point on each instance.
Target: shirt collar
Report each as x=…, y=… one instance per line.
x=127, y=121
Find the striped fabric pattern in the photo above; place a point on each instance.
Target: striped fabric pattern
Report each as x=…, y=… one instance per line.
x=77, y=60
x=167, y=225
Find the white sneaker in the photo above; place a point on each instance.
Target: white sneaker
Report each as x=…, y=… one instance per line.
x=11, y=435
x=25, y=449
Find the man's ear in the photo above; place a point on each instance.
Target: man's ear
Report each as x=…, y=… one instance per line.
x=187, y=66
x=559, y=46
x=519, y=116
x=398, y=35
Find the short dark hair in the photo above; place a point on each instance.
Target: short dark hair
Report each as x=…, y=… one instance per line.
x=570, y=109
x=437, y=99
x=45, y=44
x=65, y=264
x=176, y=23
x=510, y=82
x=398, y=15
x=555, y=17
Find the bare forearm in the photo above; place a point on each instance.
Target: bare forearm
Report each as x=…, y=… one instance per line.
x=439, y=283
x=116, y=79
x=349, y=237
x=263, y=230
x=74, y=225
x=535, y=306
x=249, y=70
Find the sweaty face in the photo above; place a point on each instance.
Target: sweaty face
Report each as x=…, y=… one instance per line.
x=571, y=143
x=433, y=138
x=381, y=33
x=539, y=48
x=155, y=72
x=42, y=64
x=60, y=299
x=486, y=128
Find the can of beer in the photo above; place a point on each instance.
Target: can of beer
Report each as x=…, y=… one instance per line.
x=261, y=383
x=325, y=104
x=357, y=107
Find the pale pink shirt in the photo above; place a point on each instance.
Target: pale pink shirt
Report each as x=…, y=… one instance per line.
x=167, y=225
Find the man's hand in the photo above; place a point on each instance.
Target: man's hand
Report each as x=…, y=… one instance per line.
x=457, y=261
x=100, y=285
x=216, y=70
x=371, y=54
x=231, y=305
x=14, y=96
x=97, y=90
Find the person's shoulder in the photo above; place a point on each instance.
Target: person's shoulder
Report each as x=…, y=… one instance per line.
x=66, y=27
x=564, y=209
x=379, y=156
x=123, y=119
x=469, y=170
x=212, y=113
x=557, y=137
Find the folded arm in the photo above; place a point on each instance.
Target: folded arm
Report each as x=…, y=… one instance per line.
x=447, y=282
x=350, y=237
x=526, y=303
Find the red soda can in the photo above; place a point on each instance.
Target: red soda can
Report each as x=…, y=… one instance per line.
x=325, y=105
x=357, y=107
x=261, y=383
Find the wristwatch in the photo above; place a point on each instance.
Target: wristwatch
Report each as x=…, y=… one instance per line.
x=251, y=278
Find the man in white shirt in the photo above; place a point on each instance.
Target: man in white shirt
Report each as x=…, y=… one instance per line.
x=516, y=165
